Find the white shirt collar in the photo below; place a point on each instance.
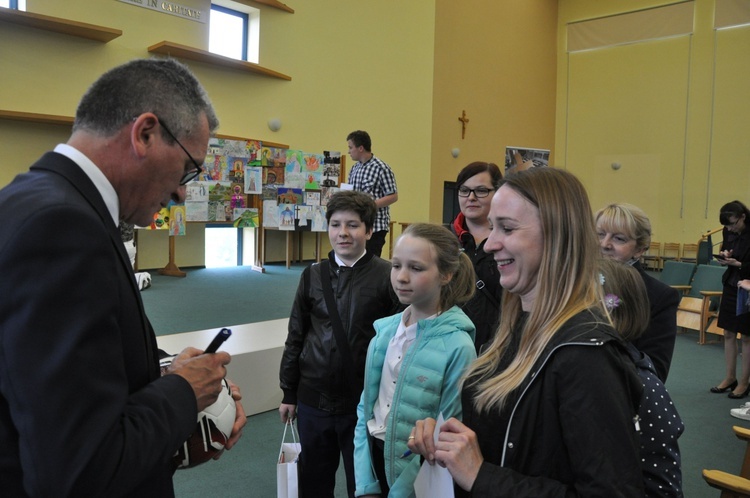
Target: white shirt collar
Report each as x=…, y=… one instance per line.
x=102, y=184
x=341, y=263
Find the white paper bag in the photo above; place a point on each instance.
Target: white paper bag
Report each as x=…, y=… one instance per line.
x=286, y=465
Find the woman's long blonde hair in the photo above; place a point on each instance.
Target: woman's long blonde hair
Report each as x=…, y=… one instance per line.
x=566, y=283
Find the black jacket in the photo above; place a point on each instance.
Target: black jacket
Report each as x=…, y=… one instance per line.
x=83, y=408
x=657, y=341
x=312, y=370
x=484, y=308
x=568, y=430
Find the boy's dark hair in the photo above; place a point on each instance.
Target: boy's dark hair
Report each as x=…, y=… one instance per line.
x=360, y=139
x=352, y=200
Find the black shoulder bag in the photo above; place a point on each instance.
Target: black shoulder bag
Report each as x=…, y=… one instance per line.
x=338, y=328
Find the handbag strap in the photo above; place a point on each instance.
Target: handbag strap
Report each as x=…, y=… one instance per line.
x=482, y=287
x=338, y=328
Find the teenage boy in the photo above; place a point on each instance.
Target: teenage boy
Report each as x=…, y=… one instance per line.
x=374, y=177
x=322, y=367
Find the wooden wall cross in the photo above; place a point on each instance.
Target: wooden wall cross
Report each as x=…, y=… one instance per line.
x=463, y=120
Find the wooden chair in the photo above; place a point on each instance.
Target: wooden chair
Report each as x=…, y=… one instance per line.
x=651, y=259
x=689, y=253
x=732, y=485
x=701, y=303
x=670, y=252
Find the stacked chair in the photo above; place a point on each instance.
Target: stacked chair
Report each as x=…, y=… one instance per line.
x=700, y=303
x=732, y=485
x=651, y=259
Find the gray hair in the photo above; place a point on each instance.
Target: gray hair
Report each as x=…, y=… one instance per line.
x=162, y=86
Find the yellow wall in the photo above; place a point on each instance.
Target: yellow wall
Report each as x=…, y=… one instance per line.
x=497, y=61
x=671, y=111
x=354, y=65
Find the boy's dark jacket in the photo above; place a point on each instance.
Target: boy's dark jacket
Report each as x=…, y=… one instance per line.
x=312, y=371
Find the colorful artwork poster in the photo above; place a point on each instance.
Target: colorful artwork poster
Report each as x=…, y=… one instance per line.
x=319, y=223
x=295, y=179
x=312, y=198
x=177, y=217
x=220, y=191
x=295, y=161
x=219, y=211
x=270, y=193
x=286, y=216
x=161, y=220
x=313, y=180
x=197, y=192
x=290, y=196
x=273, y=176
x=246, y=218
x=272, y=157
x=304, y=214
x=253, y=148
x=239, y=200
x=326, y=193
x=254, y=180
x=226, y=147
x=215, y=169
x=196, y=211
x=313, y=162
x=331, y=168
x=270, y=214
x=521, y=158
x=237, y=169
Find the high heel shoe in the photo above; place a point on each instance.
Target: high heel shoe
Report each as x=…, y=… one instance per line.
x=730, y=387
x=741, y=395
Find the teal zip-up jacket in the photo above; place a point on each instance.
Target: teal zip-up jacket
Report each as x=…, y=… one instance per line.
x=428, y=384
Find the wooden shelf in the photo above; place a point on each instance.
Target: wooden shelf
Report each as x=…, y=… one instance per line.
x=176, y=50
x=59, y=25
x=271, y=3
x=32, y=117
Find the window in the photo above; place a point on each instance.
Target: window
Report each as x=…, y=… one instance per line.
x=234, y=30
x=13, y=4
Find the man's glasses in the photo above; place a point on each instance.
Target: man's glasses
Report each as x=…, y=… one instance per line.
x=478, y=192
x=188, y=175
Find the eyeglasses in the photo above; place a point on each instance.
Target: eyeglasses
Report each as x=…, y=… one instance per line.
x=478, y=192
x=188, y=175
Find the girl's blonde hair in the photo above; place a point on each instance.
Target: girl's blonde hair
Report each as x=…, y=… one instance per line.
x=565, y=283
x=625, y=299
x=450, y=259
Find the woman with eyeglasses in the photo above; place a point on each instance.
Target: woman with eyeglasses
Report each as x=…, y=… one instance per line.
x=476, y=183
x=735, y=250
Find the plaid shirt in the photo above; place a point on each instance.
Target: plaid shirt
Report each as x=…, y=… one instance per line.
x=375, y=178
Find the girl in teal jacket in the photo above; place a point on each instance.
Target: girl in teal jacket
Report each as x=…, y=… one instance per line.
x=416, y=359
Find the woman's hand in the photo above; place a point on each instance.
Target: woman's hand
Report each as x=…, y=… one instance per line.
x=457, y=449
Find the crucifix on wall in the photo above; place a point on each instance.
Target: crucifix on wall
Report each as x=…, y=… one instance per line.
x=463, y=120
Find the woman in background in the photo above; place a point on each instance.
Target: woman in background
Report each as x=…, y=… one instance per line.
x=476, y=184
x=550, y=407
x=624, y=235
x=735, y=249
x=626, y=301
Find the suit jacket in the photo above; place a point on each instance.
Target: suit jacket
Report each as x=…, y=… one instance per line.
x=83, y=410
x=658, y=339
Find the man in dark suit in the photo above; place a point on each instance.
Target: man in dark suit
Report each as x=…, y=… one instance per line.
x=83, y=408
